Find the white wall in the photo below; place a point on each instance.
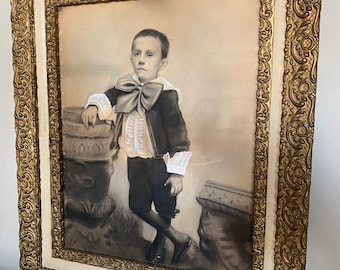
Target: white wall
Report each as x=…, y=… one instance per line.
x=324, y=227
x=324, y=221
x=9, y=243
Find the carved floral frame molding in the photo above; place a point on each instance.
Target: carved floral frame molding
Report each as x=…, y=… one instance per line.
x=296, y=135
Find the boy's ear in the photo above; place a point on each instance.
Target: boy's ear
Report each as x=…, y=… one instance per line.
x=163, y=63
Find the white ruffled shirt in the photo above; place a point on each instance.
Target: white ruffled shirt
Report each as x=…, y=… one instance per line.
x=135, y=138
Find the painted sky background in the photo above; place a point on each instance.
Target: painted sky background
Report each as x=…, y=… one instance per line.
x=212, y=59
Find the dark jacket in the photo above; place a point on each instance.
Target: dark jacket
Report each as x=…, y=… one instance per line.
x=165, y=122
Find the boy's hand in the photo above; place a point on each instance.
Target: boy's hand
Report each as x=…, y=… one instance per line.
x=89, y=116
x=175, y=180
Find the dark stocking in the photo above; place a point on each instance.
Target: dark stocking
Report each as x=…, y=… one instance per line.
x=181, y=240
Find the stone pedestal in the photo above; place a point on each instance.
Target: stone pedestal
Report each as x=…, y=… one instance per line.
x=225, y=228
x=87, y=168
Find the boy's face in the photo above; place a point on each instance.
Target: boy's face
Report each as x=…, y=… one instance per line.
x=146, y=58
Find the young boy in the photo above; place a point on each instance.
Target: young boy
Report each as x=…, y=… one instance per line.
x=151, y=130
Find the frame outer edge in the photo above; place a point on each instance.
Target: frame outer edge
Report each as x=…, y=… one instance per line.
x=297, y=130
x=26, y=125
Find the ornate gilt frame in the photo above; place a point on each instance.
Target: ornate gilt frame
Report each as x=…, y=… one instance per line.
x=296, y=136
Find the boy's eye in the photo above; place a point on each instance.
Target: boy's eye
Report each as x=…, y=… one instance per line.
x=149, y=54
x=136, y=53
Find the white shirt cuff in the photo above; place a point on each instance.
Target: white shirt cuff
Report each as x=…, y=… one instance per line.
x=103, y=104
x=178, y=163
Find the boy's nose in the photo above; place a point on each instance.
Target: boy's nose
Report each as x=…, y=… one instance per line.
x=141, y=59
x=141, y=62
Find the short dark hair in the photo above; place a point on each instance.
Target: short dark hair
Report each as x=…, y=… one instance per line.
x=156, y=34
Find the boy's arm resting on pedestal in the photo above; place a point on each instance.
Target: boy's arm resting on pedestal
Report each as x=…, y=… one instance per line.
x=97, y=105
x=89, y=116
